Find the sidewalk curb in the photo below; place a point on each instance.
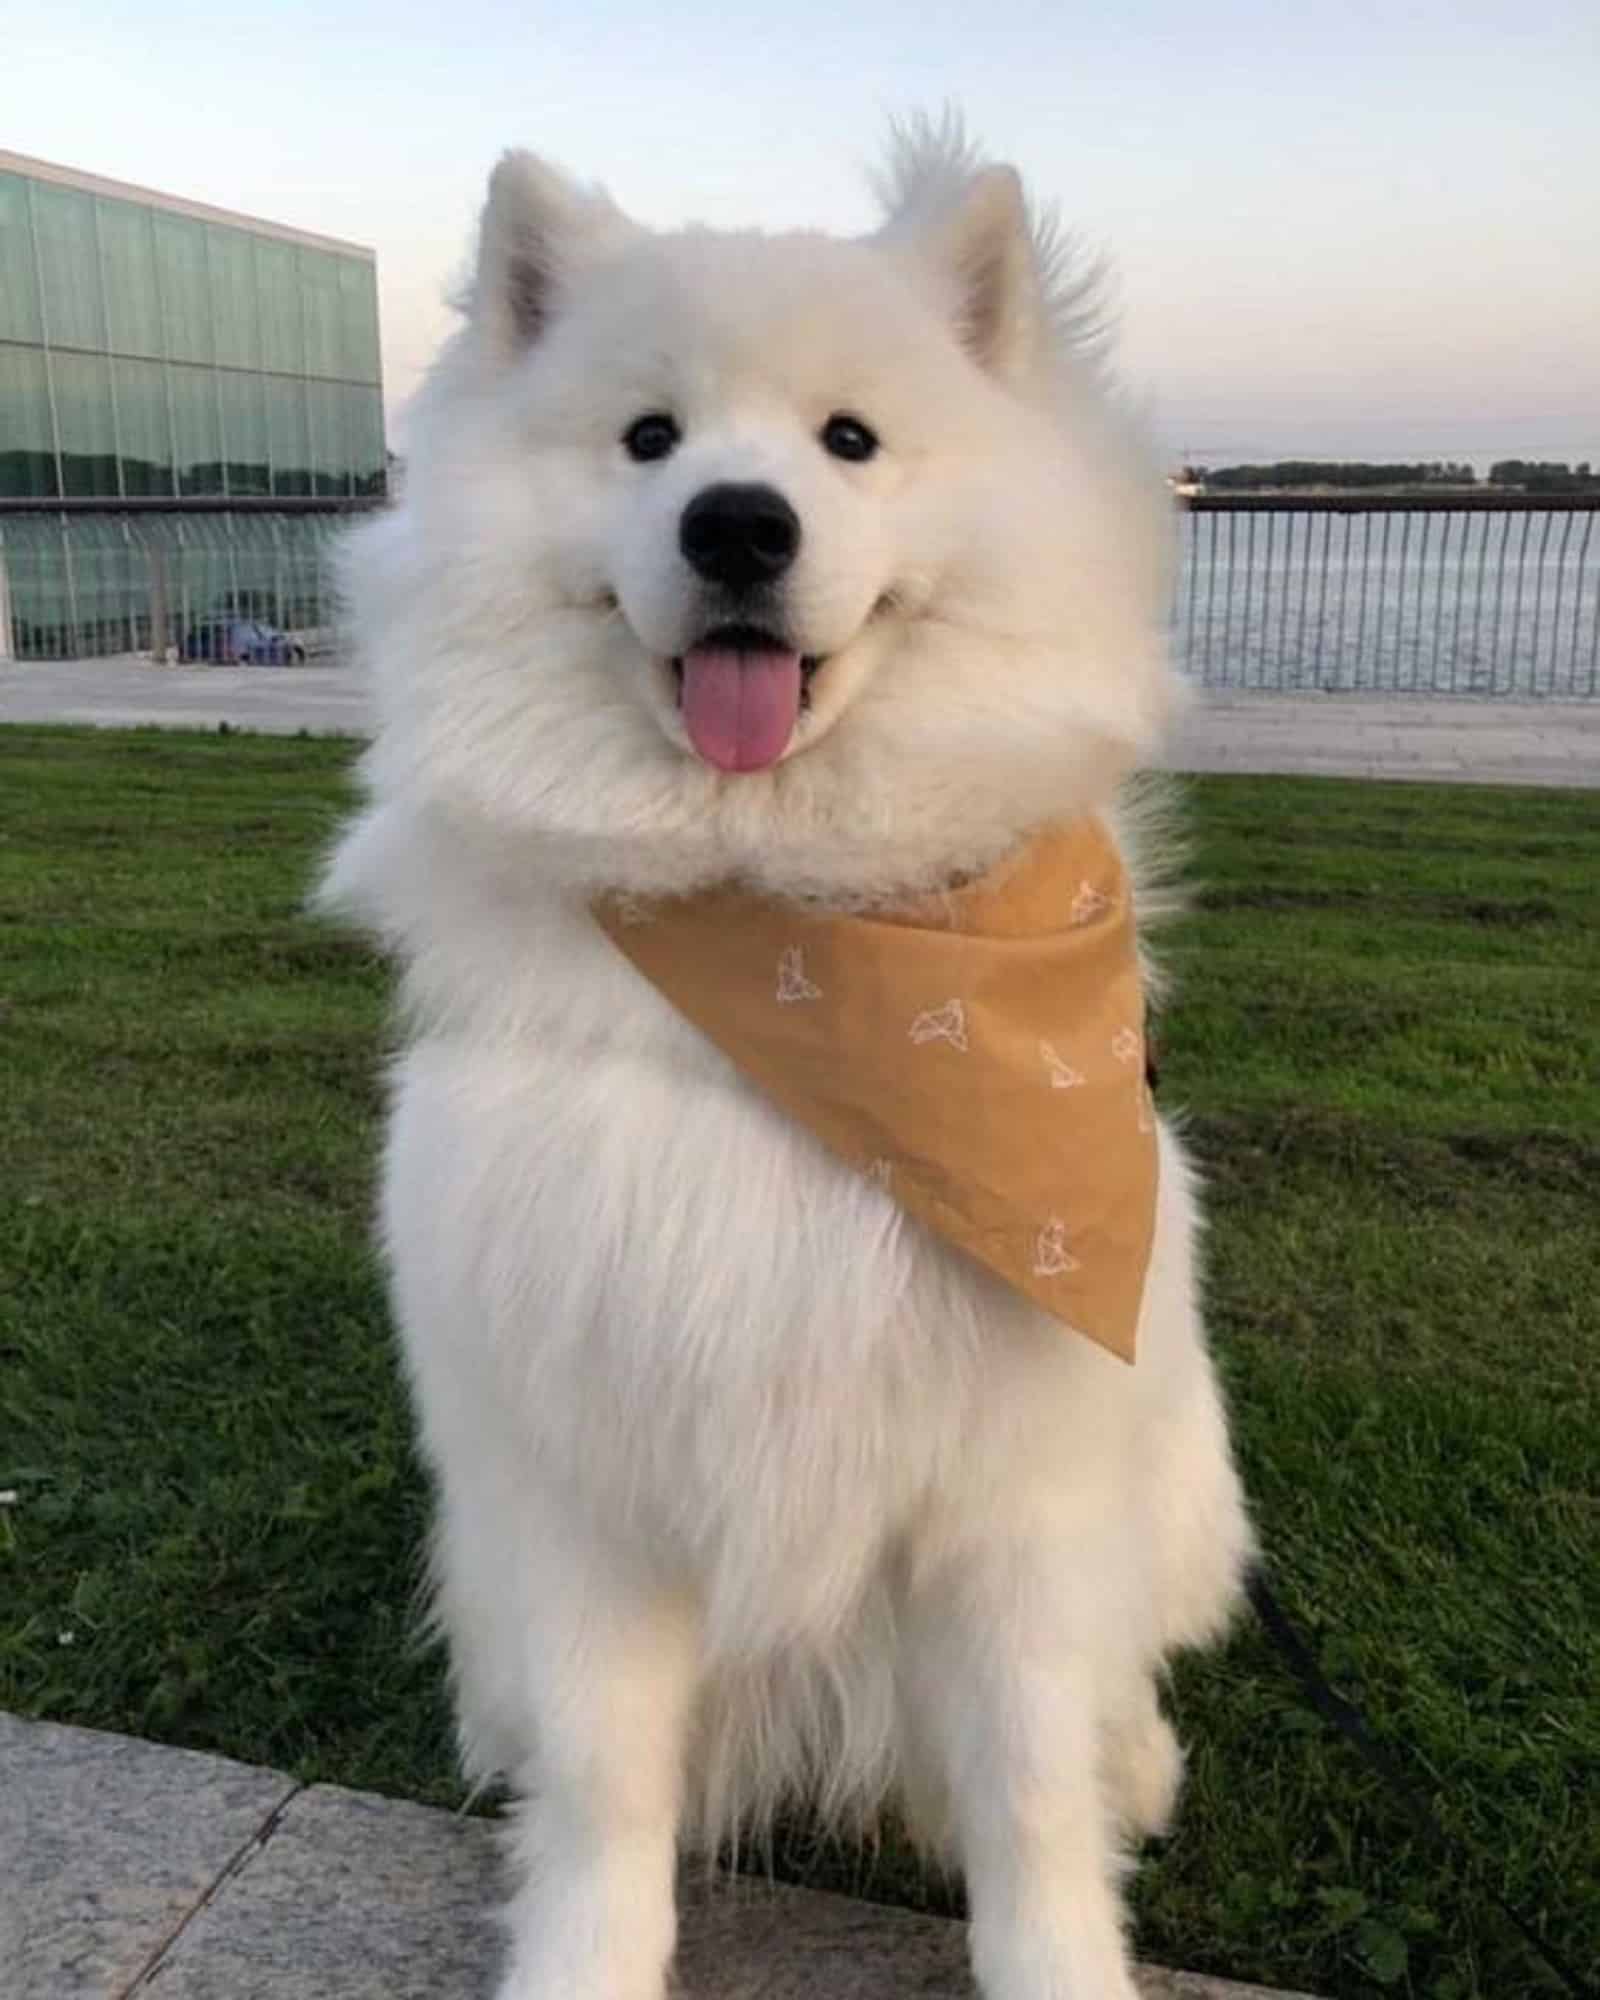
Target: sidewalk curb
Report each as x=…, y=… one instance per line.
x=133, y=1870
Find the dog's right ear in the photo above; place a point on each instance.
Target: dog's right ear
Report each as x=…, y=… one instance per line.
x=537, y=225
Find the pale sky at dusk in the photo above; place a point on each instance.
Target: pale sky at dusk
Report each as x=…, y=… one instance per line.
x=1370, y=230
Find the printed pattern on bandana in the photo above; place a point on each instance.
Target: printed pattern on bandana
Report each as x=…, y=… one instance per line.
x=942, y=1024
x=1089, y=903
x=977, y=1054
x=1062, y=1075
x=792, y=981
x=1051, y=1257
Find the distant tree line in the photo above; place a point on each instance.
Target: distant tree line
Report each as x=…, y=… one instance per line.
x=1301, y=474
x=1288, y=474
x=1541, y=475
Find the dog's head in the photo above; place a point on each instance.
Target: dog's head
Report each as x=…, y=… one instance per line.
x=825, y=561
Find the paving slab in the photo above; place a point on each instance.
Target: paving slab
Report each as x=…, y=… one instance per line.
x=358, y=1898
x=1432, y=737
x=758, y=1941
x=127, y=691
x=1428, y=737
x=106, y=1846
x=351, y=1897
x=132, y=1872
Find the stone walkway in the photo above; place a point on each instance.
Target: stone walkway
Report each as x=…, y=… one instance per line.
x=1358, y=736
x=1432, y=737
x=127, y=691
x=127, y=1869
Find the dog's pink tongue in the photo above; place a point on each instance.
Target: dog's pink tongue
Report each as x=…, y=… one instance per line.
x=740, y=708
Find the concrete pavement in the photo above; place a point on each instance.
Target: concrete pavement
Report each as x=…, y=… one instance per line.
x=1430, y=737
x=125, y=691
x=127, y=1870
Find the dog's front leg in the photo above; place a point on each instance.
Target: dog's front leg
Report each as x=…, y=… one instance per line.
x=1005, y=1683
x=611, y=1669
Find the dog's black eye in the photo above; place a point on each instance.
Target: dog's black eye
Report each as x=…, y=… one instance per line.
x=848, y=437
x=652, y=436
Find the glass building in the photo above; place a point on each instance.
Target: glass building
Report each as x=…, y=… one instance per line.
x=189, y=403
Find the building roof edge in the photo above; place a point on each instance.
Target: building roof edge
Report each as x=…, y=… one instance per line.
x=202, y=211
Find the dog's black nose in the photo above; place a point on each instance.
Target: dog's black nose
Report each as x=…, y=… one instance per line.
x=739, y=535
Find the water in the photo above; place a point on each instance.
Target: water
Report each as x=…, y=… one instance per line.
x=1415, y=601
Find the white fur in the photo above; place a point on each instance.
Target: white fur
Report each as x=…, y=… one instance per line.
x=746, y=1484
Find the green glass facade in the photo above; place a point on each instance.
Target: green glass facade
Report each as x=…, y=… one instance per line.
x=151, y=356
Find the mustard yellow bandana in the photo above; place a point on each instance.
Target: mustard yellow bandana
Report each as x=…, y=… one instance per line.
x=979, y=1053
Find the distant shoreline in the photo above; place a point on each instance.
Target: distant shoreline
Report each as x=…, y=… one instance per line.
x=1422, y=492
x=1433, y=489
x=1395, y=479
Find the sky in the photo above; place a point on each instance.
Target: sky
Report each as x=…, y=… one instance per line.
x=1359, y=230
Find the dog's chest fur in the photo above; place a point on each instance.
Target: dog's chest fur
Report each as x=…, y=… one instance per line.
x=686, y=1302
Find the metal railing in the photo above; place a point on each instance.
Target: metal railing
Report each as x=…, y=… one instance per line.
x=164, y=580
x=1467, y=594
x=1462, y=593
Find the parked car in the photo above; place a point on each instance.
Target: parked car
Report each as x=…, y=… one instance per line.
x=231, y=641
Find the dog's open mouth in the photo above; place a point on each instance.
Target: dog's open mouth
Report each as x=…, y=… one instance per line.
x=742, y=690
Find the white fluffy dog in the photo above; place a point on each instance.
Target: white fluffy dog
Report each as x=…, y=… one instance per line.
x=748, y=1484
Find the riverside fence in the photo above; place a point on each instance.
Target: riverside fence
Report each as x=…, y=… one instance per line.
x=84, y=581
x=1465, y=593
x=1459, y=594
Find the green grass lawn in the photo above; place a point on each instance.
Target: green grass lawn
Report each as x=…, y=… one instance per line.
x=1387, y=1044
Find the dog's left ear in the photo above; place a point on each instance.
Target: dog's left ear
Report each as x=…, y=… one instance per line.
x=974, y=235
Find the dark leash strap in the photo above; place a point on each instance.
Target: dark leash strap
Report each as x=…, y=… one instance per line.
x=1354, y=1727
